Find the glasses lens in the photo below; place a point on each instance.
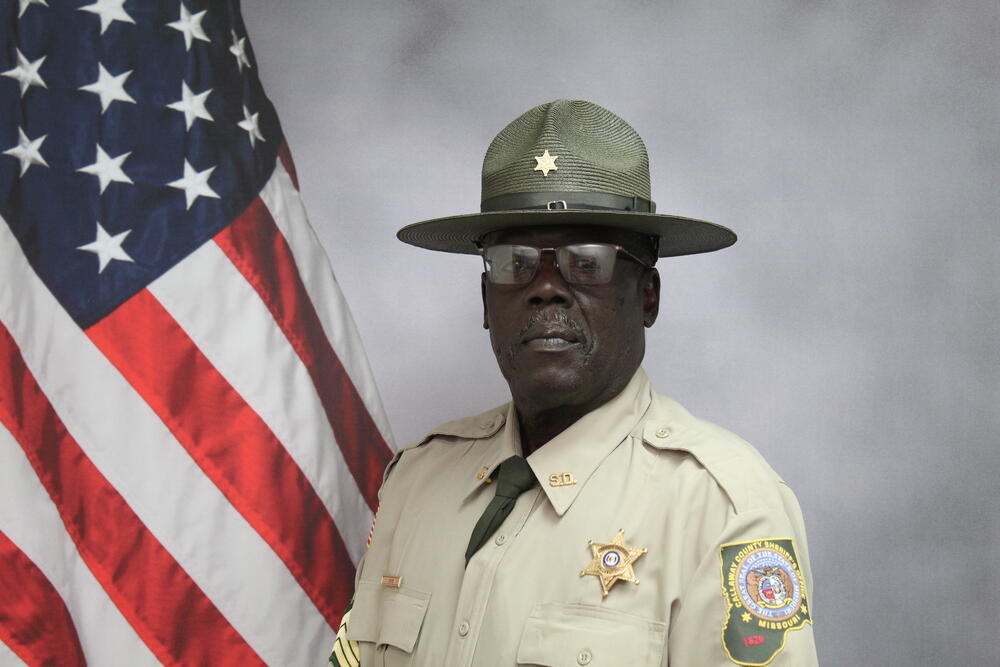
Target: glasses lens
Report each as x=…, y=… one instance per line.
x=511, y=264
x=587, y=263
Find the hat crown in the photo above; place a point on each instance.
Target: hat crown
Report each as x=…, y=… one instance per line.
x=596, y=151
x=567, y=162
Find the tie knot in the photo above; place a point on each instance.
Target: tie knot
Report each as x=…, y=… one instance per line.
x=514, y=477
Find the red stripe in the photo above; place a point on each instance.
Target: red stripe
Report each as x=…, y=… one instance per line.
x=168, y=610
x=285, y=156
x=34, y=620
x=231, y=444
x=257, y=248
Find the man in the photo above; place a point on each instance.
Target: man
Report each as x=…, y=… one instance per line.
x=591, y=521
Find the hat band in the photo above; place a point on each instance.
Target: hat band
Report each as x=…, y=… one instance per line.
x=558, y=201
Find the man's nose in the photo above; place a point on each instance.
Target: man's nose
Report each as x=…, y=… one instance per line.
x=548, y=285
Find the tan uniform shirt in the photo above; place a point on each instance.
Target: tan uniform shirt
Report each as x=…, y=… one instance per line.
x=676, y=486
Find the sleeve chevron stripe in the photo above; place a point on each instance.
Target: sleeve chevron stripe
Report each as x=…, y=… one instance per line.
x=345, y=651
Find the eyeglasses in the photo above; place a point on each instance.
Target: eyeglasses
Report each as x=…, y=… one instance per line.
x=579, y=263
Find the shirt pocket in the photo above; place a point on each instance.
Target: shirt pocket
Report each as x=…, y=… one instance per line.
x=390, y=618
x=558, y=635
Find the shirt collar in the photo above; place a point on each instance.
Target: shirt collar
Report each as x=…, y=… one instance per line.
x=564, y=464
x=503, y=443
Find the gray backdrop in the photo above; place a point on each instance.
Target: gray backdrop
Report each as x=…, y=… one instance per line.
x=850, y=334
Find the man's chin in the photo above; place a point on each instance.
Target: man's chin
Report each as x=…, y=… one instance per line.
x=547, y=387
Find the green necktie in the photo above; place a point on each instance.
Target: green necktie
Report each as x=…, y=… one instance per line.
x=512, y=478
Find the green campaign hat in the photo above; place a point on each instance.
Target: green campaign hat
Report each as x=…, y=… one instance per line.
x=567, y=162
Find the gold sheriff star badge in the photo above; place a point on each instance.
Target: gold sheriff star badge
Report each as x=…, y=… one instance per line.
x=613, y=562
x=546, y=163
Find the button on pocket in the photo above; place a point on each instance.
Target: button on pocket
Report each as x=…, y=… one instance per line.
x=560, y=634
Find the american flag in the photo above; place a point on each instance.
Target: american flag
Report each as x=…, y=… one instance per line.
x=190, y=439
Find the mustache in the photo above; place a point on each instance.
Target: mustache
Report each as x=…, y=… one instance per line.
x=552, y=317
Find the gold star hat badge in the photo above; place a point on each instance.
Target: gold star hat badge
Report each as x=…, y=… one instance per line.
x=546, y=163
x=613, y=562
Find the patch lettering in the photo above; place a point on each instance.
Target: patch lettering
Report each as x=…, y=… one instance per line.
x=766, y=595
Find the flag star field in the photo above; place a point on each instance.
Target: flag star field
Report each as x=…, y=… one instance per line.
x=153, y=124
x=191, y=441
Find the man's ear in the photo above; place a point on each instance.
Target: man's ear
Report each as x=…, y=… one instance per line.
x=482, y=285
x=650, y=287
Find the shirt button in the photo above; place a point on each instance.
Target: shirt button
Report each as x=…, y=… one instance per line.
x=583, y=658
x=500, y=539
x=663, y=432
x=463, y=629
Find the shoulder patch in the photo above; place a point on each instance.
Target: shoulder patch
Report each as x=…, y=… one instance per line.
x=766, y=595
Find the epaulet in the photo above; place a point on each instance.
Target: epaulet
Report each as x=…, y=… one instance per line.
x=484, y=425
x=739, y=469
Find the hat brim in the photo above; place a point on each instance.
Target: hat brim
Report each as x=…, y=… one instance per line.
x=458, y=233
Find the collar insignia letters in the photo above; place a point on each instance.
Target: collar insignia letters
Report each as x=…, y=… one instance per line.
x=562, y=479
x=613, y=562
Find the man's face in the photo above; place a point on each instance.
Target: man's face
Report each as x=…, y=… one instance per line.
x=561, y=344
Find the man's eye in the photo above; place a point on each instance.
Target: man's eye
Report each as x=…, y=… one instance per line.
x=521, y=263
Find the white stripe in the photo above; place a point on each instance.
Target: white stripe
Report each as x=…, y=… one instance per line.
x=240, y=337
x=285, y=205
x=132, y=448
x=8, y=658
x=105, y=635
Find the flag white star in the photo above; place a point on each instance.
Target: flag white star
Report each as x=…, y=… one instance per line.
x=192, y=105
x=107, y=247
x=27, y=151
x=109, y=88
x=26, y=72
x=107, y=169
x=108, y=10
x=190, y=25
x=250, y=124
x=26, y=3
x=239, y=49
x=194, y=184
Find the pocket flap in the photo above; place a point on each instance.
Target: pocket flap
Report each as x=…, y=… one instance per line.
x=571, y=634
x=384, y=615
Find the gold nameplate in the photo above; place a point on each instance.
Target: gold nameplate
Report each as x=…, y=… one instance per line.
x=562, y=479
x=391, y=581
